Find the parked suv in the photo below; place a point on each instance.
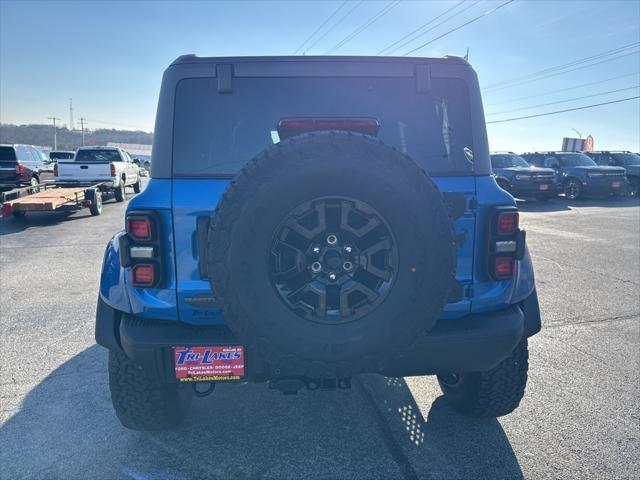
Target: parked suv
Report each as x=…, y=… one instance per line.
x=578, y=175
x=310, y=219
x=629, y=161
x=520, y=179
x=56, y=155
x=23, y=165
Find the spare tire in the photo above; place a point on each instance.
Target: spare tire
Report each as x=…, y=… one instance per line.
x=330, y=252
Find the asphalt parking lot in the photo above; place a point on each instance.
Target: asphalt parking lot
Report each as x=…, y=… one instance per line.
x=579, y=419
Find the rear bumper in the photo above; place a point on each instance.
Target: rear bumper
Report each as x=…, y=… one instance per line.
x=603, y=187
x=86, y=183
x=473, y=343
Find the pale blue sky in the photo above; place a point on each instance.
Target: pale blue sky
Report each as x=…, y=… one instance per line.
x=109, y=56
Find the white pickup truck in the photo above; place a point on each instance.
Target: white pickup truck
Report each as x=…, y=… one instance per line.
x=112, y=167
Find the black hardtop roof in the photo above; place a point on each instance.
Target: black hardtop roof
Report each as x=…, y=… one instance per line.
x=194, y=59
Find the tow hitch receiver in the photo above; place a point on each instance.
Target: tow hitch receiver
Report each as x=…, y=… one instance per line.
x=291, y=386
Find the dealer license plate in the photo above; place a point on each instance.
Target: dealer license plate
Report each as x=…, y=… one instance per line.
x=204, y=364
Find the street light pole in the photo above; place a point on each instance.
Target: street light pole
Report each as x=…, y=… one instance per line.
x=55, y=137
x=83, y=122
x=577, y=133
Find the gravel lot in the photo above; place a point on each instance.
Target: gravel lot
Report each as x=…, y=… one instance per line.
x=579, y=419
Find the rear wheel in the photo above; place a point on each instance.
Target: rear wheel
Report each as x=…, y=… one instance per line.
x=34, y=181
x=139, y=402
x=119, y=192
x=573, y=189
x=493, y=393
x=96, y=205
x=136, y=186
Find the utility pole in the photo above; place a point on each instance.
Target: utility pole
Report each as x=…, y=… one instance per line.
x=83, y=122
x=71, y=124
x=55, y=139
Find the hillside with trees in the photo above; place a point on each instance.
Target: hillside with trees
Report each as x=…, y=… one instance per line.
x=42, y=135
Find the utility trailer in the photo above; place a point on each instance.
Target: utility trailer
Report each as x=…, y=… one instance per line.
x=51, y=197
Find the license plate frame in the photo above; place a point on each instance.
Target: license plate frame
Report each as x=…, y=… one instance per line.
x=210, y=363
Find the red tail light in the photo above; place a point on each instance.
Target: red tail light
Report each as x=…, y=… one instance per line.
x=506, y=242
x=503, y=267
x=55, y=169
x=113, y=170
x=507, y=223
x=288, y=127
x=19, y=168
x=143, y=275
x=140, y=228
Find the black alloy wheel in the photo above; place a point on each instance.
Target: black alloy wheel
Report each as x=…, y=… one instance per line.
x=573, y=190
x=333, y=259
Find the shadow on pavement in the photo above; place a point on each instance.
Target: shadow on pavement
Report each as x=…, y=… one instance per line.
x=66, y=428
x=35, y=219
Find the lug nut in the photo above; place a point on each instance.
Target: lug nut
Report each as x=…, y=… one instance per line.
x=333, y=277
x=347, y=266
x=348, y=249
x=316, y=267
x=332, y=239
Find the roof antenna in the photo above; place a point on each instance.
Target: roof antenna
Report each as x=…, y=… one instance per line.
x=466, y=55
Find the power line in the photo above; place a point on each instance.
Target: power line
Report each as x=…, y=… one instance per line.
x=563, y=111
x=390, y=6
x=415, y=37
x=564, y=101
x=335, y=12
x=555, y=74
x=390, y=47
x=330, y=29
x=575, y=87
x=563, y=66
x=489, y=12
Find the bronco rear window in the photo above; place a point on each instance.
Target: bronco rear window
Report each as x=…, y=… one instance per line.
x=215, y=134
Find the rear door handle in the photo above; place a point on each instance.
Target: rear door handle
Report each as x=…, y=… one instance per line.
x=84, y=167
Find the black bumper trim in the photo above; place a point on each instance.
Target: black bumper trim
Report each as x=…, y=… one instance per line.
x=473, y=343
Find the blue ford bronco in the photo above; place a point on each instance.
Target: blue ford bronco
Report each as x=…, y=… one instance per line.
x=520, y=179
x=577, y=175
x=310, y=219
